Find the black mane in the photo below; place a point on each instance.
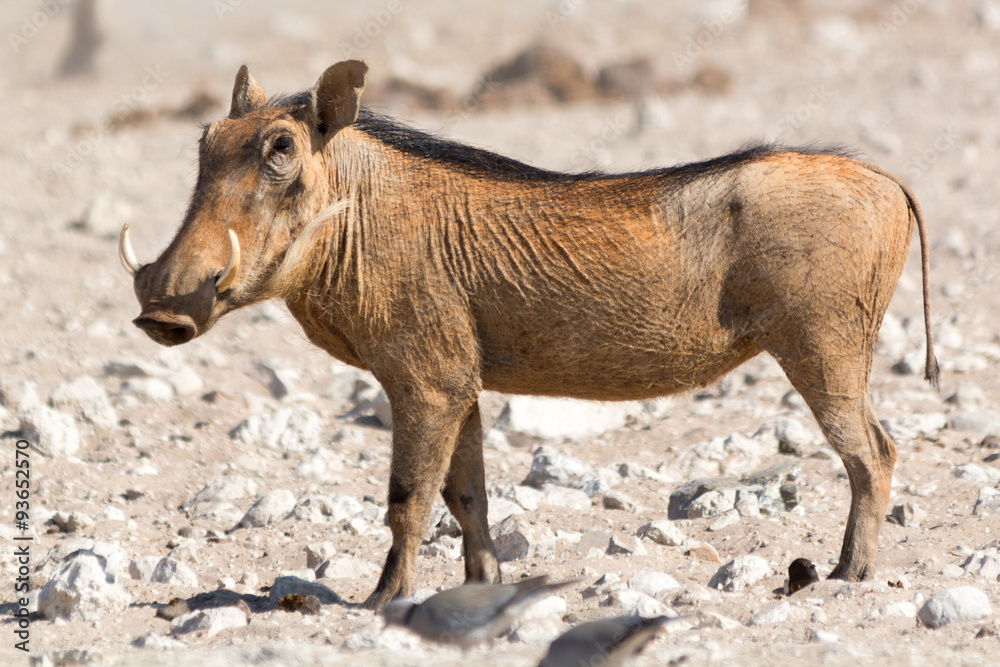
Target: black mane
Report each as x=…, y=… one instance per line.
x=480, y=162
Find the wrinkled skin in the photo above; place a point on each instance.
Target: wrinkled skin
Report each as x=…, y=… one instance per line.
x=445, y=280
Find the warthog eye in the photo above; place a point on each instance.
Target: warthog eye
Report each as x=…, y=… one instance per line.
x=283, y=144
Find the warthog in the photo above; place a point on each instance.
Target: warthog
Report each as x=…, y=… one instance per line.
x=445, y=270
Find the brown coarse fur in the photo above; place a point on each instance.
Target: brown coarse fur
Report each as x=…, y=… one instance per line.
x=445, y=270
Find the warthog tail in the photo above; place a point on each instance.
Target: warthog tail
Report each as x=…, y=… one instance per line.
x=932, y=371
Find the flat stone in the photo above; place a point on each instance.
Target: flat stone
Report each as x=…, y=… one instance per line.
x=740, y=574
x=903, y=609
x=552, y=468
x=730, y=518
x=173, y=572
x=703, y=551
x=557, y=419
x=273, y=506
x=988, y=502
x=318, y=552
x=637, y=603
x=210, y=622
x=964, y=603
x=970, y=472
x=87, y=399
x=652, y=582
x=774, y=488
x=908, y=515
x=776, y=613
x=321, y=509
x=224, y=488
x=662, y=532
x=343, y=567
x=50, y=432
x=294, y=429
x=627, y=545
x=558, y=496
x=83, y=590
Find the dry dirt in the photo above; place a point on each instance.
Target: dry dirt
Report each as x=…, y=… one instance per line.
x=914, y=86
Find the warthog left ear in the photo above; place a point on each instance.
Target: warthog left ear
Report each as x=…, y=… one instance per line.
x=247, y=94
x=337, y=96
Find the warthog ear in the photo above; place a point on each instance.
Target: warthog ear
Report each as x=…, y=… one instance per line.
x=247, y=94
x=337, y=96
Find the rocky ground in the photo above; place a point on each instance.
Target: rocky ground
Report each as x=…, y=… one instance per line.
x=247, y=465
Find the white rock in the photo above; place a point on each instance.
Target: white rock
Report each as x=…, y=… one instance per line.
x=734, y=454
x=902, y=609
x=224, y=488
x=110, y=513
x=740, y=574
x=970, y=472
x=151, y=389
x=211, y=622
x=717, y=621
x=225, y=513
x=525, y=496
x=662, y=532
x=730, y=518
x=50, y=432
x=186, y=381
x=776, y=613
x=86, y=399
x=293, y=429
x=908, y=514
x=317, y=552
x=712, y=503
x=983, y=565
x=616, y=500
x=142, y=568
x=964, y=603
x=988, y=502
x=273, y=506
x=637, y=603
x=559, y=496
x=823, y=637
x=596, y=482
x=628, y=545
x=343, y=567
x=283, y=586
x=114, y=559
x=82, y=590
x=552, y=468
x=174, y=572
x=318, y=465
x=320, y=509
x=538, y=631
x=558, y=419
x=983, y=422
x=910, y=427
x=496, y=440
x=652, y=582
x=19, y=396
x=515, y=538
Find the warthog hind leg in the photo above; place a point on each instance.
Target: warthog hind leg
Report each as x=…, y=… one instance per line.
x=465, y=494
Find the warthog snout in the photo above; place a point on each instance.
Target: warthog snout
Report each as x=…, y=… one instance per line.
x=167, y=329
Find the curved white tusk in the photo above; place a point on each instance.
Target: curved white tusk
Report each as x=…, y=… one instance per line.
x=228, y=274
x=125, y=253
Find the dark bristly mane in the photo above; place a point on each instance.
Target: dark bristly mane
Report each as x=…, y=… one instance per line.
x=487, y=164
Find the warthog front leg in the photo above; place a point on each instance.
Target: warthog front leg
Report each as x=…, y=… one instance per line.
x=425, y=427
x=465, y=494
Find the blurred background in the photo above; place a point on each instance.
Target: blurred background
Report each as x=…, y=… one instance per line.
x=104, y=101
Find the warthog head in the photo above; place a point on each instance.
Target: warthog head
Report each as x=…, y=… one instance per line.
x=263, y=174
